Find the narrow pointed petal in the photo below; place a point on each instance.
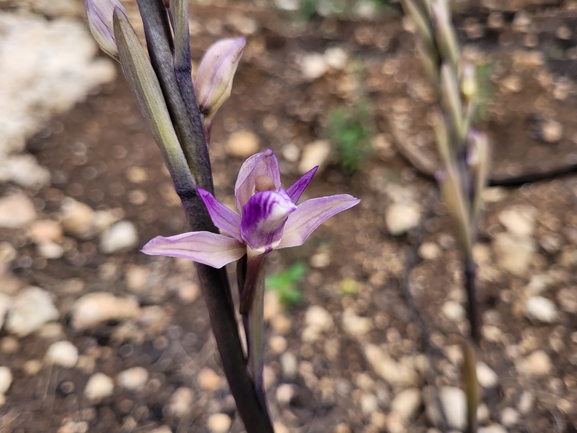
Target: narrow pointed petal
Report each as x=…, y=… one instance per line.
x=222, y=217
x=260, y=164
x=99, y=14
x=264, y=218
x=311, y=214
x=296, y=189
x=213, y=82
x=203, y=247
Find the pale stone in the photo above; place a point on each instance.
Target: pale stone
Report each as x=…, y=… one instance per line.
x=133, y=379
x=278, y=344
x=50, y=250
x=494, y=194
x=119, y=236
x=406, y=403
x=242, y=144
x=77, y=218
x=9, y=345
x=402, y=217
x=509, y=417
x=16, y=210
x=453, y=311
x=5, y=379
x=429, y=251
x=519, y=220
x=97, y=308
x=551, y=131
x=31, y=95
x=24, y=171
x=314, y=154
x=537, y=363
x=208, y=380
x=45, y=230
x=356, y=326
x=219, y=423
x=394, y=373
x=526, y=402
x=486, y=377
x=454, y=405
x=336, y=58
x=31, y=308
x=541, y=309
x=181, y=402
x=318, y=317
x=62, y=353
x=99, y=386
x=136, y=278
x=483, y=413
x=32, y=367
x=515, y=254
x=313, y=66
x=284, y=394
x=289, y=365
x=369, y=403
x=103, y=219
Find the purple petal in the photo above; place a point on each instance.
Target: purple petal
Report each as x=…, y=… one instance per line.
x=99, y=14
x=222, y=217
x=203, y=247
x=264, y=218
x=296, y=189
x=311, y=214
x=213, y=81
x=260, y=164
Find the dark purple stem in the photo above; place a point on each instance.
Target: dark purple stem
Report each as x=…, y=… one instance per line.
x=470, y=272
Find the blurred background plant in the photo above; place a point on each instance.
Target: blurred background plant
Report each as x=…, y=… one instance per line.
x=350, y=129
x=285, y=283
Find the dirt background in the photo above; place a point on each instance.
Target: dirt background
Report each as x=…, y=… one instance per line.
x=321, y=376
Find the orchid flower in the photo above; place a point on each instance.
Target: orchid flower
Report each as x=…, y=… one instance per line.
x=268, y=217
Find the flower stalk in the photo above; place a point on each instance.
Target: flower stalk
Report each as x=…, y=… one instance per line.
x=464, y=152
x=163, y=88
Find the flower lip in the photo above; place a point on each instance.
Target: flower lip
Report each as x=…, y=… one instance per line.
x=264, y=218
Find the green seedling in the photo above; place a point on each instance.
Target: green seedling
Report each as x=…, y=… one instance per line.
x=286, y=284
x=350, y=130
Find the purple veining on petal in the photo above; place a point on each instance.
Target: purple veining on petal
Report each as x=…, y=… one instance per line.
x=311, y=214
x=222, y=217
x=264, y=218
x=296, y=189
x=213, y=81
x=99, y=14
x=260, y=164
x=203, y=247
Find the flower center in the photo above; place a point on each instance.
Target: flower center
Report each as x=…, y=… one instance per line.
x=263, y=183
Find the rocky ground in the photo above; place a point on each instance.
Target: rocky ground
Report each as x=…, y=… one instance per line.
x=96, y=337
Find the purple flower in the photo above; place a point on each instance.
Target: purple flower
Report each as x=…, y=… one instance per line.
x=99, y=13
x=268, y=217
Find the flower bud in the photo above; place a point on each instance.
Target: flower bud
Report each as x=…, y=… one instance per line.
x=99, y=13
x=213, y=82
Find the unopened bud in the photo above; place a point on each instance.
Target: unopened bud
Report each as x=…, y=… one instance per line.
x=469, y=82
x=213, y=82
x=99, y=13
